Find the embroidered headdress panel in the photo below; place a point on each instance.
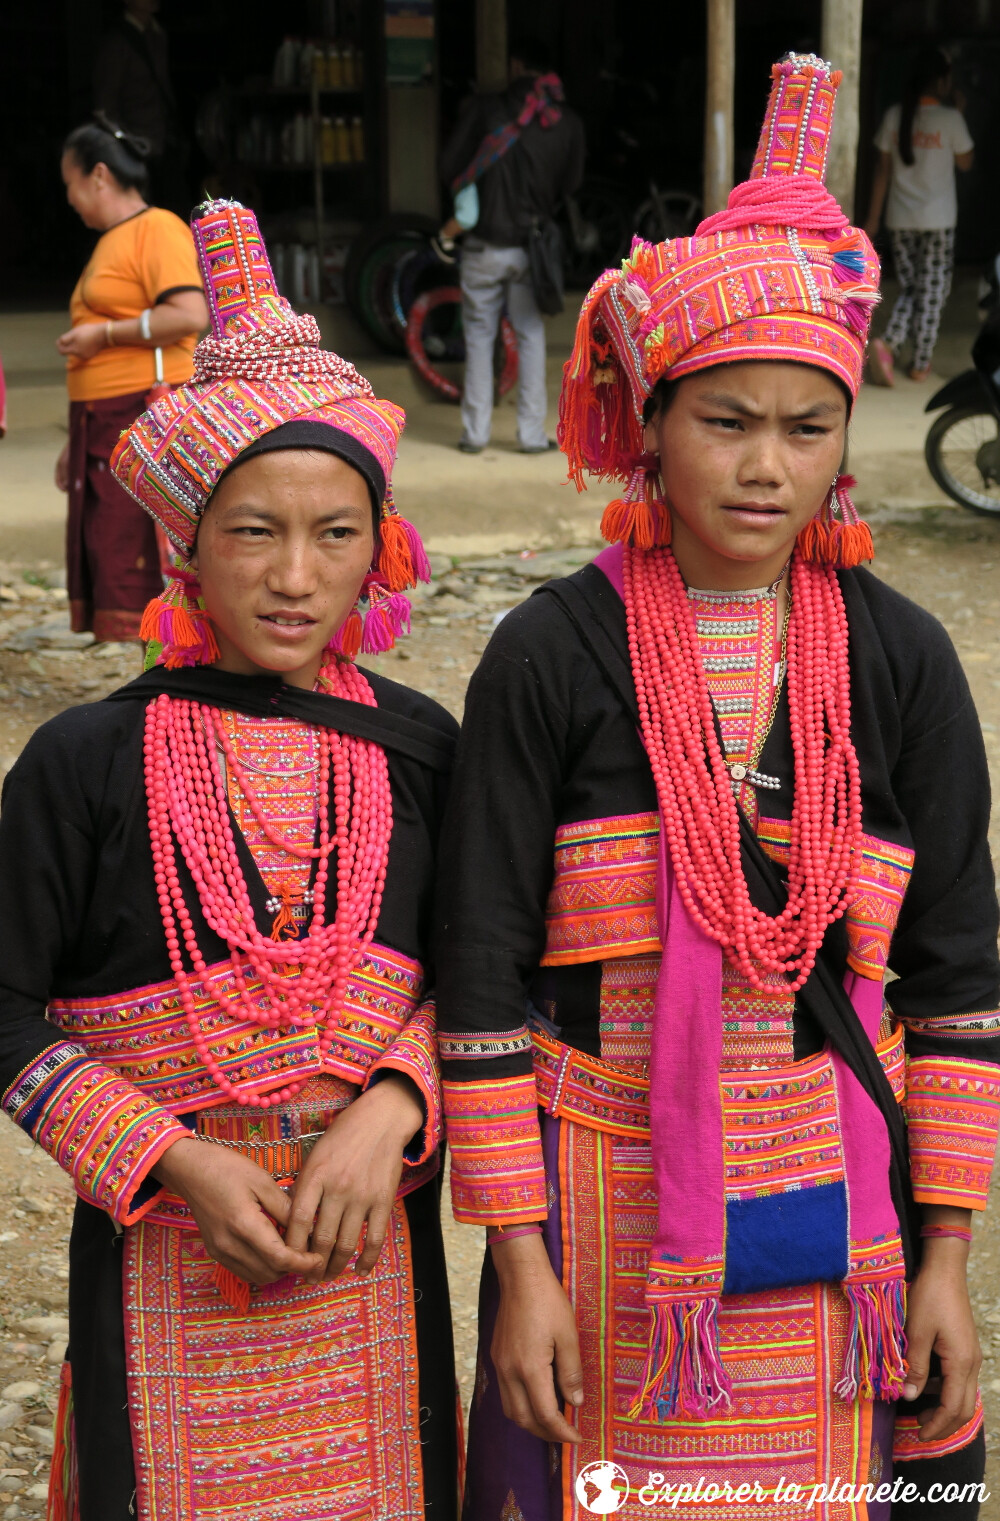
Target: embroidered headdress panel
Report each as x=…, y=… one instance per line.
x=260, y=368
x=780, y=274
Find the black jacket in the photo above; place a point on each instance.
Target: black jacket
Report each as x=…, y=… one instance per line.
x=532, y=177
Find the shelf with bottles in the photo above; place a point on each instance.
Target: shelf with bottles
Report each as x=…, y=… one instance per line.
x=291, y=144
x=324, y=65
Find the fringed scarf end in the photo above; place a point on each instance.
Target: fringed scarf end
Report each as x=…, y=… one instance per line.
x=683, y=1374
x=874, y=1363
x=63, y=1502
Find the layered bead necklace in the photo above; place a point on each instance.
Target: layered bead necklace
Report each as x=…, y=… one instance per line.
x=302, y=981
x=694, y=782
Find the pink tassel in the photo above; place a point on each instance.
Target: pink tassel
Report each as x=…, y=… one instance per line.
x=387, y=619
x=874, y=1363
x=683, y=1374
x=421, y=564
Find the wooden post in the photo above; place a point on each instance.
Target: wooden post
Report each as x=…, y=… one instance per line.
x=491, y=45
x=719, y=73
x=841, y=45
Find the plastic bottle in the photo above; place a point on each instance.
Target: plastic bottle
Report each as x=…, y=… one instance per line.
x=347, y=66
x=343, y=143
x=306, y=57
x=357, y=140
x=299, y=142
x=320, y=67
x=336, y=68
x=328, y=149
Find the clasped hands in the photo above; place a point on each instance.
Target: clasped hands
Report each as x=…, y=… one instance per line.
x=347, y=1185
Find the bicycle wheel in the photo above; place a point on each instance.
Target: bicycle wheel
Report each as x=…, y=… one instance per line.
x=434, y=337
x=962, y=451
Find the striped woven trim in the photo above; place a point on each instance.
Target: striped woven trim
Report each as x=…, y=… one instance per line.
x=953, y=1114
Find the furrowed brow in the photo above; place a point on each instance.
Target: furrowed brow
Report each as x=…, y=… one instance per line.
x=731, y=403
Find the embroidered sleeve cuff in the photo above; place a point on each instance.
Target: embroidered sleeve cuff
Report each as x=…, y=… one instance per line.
x=414, y=1051
x=497, y=1172
x=98, y=1127
x=952, y=1111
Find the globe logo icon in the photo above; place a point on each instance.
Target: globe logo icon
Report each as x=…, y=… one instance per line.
x=602, y=1488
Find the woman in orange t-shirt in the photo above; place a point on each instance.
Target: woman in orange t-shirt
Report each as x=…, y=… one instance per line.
x=141, y=291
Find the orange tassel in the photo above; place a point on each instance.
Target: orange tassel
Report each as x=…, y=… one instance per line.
x=643, y=524
x=284, y=926
x=854, y=543
x=234, y=1290
x=395, y=561
x=176, y=629
x=350, y=636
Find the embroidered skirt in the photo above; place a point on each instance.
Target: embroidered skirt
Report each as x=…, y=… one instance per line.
x=326, y=1403
x=783, y=1350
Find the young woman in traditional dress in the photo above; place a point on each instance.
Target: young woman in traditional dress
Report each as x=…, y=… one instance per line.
x=708, y=790
x=216, y=884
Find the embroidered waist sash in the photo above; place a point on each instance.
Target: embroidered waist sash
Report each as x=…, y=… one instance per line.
x=575, y=1086
x=144, y=1036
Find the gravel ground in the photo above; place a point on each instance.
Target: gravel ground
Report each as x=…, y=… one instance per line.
x=945, y=559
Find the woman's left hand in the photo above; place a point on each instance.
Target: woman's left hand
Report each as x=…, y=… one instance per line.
x=83, y=341
x=349, y=1180
x=939, y=1319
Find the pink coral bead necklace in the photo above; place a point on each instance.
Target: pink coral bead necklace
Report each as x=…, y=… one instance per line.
x=299, y=982
x=693, y=783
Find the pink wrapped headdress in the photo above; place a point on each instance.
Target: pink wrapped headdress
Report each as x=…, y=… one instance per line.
x=261, y=367
x=780, y=275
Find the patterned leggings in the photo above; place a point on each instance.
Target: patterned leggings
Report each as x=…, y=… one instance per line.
x=924, y=262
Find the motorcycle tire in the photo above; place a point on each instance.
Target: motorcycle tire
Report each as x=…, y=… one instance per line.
x=370, y=268
x=986, y=453
x=435, y=301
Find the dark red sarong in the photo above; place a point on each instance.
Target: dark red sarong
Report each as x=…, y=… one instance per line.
x=112, y=564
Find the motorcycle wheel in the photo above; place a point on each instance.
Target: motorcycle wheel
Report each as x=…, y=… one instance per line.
x=433, y=336
x=369, y=274
x=962, y=450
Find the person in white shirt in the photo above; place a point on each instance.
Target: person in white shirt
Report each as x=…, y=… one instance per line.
x=921, y=142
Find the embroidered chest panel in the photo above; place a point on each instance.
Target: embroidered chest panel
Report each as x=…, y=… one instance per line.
x=602, y=899
x=143, y=1034
x=280, y=759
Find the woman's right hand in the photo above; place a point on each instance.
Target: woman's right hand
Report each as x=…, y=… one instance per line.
x=62, y=468
x=536, y=1349
x=232, y=1199
x=83, y=341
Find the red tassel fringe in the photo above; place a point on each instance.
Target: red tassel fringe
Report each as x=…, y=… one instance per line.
x=235, y=1291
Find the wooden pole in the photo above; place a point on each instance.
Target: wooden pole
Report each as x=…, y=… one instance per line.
x=491, y=45
x=720, y=59
x=841, y=44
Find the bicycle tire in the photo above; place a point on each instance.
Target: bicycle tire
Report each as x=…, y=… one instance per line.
x=422, y=308
x=960, y=492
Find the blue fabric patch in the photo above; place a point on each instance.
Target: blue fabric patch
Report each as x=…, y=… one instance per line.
x=784, y=1239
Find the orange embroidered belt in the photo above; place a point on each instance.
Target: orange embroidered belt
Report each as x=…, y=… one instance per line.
x=282, y=1159
x=582, y=1088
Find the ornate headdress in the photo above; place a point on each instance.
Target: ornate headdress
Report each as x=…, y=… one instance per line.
x=259, y=371
x=780, y=274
